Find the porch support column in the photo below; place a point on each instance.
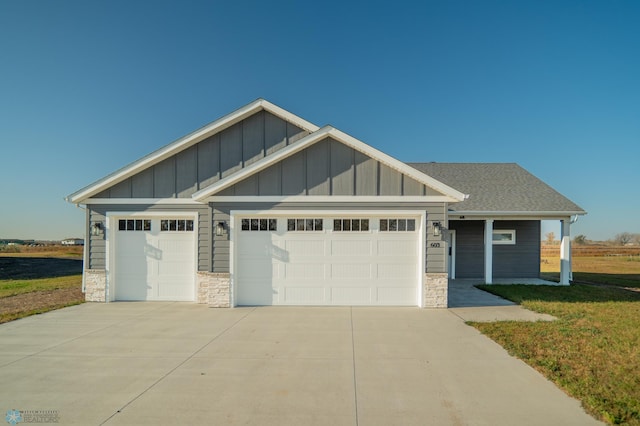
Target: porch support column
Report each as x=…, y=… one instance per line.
x=565, y=252
x=488, y=251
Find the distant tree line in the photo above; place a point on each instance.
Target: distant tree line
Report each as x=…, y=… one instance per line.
x=621, y=239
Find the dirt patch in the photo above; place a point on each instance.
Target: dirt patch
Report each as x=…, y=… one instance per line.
x=38, y=301
x=21, y=268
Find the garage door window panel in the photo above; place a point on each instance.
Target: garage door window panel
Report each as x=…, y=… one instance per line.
x=179, y=225
x=134, y=225
x=397, y=225
x=256, y=224
x=351, y=225
x=304, y=225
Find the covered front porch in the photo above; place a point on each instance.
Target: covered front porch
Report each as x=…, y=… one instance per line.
x=503, y=249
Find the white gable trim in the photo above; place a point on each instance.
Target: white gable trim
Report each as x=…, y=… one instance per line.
x=315, y=137
x=327, y=199
x=143, y=201
x=185, y=142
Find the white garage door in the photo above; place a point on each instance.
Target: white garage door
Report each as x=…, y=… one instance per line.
x=327, y=261
x=154, y=259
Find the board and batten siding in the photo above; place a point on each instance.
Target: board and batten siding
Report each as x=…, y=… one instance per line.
x=210, y=160
x=221, y=212
x=328, y=168
x=98, y=214
x=521, y=260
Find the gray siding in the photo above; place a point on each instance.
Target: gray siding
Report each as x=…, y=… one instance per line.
x=328, y=168
x=469, y=248
x=221, y=247
x=436, y=256
x=436, y=250
x=366, y=174
x=97, y=244
x=521, y=260
x=209, y=160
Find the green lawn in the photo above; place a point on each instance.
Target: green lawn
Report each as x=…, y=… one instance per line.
x=25, y=297
x=15, y=287
x=592, y=351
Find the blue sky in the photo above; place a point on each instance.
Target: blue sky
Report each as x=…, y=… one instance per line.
x=86, y=87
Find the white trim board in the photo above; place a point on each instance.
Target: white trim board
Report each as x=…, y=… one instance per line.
x=149, y=201
x=327, y=199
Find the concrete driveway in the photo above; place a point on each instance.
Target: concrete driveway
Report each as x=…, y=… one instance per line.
x=181, y=363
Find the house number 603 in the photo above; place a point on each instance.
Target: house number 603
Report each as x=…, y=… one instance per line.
x=435, y=245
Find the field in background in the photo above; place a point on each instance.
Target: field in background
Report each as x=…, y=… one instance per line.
x=610, y=265
x=73, y=252
x=34, y=280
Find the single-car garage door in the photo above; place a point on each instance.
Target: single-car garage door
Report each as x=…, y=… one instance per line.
x=327, y=261
x=154, y=259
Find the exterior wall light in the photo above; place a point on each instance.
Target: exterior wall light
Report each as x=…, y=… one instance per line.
x=437, y=229
x=220, y=227
x=97, y=229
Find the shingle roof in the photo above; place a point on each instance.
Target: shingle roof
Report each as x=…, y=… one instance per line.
x=498, y=187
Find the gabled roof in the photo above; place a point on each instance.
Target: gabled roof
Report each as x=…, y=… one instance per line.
x=187, y=141
x=317, y=136
x=499, y=188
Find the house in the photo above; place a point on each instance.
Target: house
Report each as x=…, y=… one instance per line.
x=72, y=242
x=262, y=207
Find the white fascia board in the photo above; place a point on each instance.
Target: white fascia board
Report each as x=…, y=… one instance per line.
x=185, y=142
x=514, y=214
x=334, y=212
x=138, y=201
x=350, y=199
x=450, y=194
x=287, y=116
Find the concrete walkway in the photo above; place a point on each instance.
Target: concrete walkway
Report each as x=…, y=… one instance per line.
x=182, y=363
x=472, y=304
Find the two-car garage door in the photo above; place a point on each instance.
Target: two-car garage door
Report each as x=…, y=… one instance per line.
x=327, y=261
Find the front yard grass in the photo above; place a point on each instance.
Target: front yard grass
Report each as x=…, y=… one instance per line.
x=592, y=351
x=25, y=297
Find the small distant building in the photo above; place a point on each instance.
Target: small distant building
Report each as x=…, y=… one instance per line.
x=73, y=242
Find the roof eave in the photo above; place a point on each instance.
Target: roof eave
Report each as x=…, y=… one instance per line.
x=550, y=213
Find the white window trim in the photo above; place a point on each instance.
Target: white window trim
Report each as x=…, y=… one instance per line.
x=510, y=242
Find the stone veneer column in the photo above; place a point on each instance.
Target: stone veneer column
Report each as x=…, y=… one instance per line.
x=95, y=285
x=436, y=288
x=214, y=289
